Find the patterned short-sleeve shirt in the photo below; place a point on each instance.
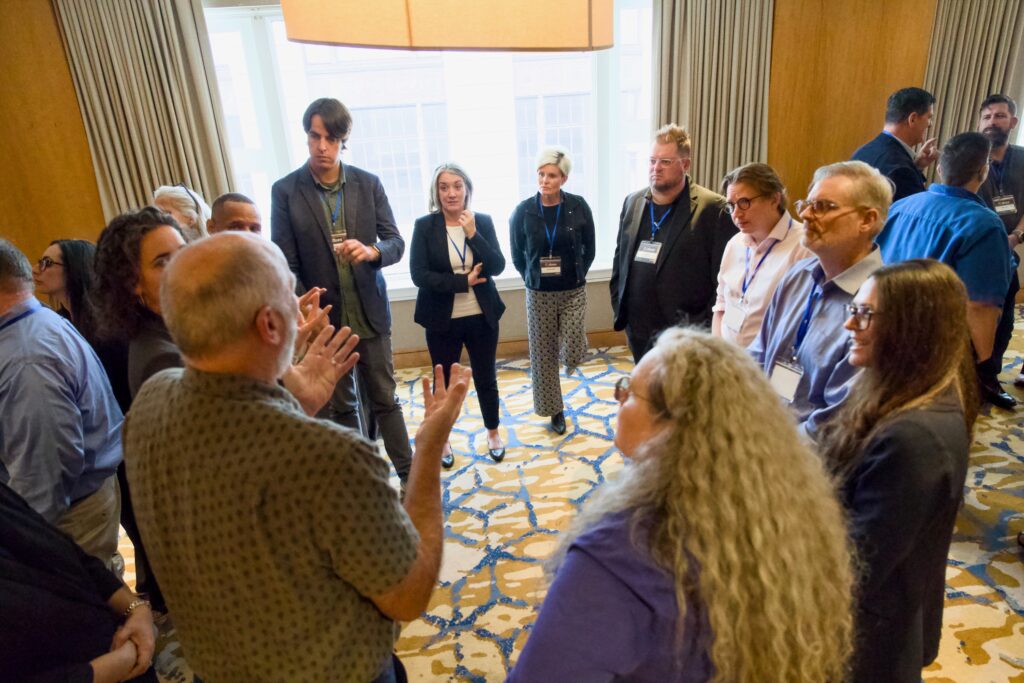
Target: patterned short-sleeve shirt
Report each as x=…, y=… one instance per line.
x=268, y=529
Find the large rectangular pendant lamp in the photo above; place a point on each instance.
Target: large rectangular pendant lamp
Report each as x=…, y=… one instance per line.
x=504, y=25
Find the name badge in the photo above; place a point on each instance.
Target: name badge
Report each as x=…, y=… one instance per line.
x=648, y=252
x=785, y=378
x=1005, y=205
x=734, y=316
x=336, y=239
x=550, y=265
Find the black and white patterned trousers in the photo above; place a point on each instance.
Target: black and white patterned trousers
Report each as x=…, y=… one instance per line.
x=555, y=325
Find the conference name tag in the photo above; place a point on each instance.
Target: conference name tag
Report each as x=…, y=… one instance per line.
x=550, y=265
x=648, y=252
x=1005, y=205
x=785, y=378
x=734, y=317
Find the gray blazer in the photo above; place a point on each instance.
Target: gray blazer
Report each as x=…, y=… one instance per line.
x=298, y=226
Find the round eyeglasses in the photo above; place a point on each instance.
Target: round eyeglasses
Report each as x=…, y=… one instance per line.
x=741, y=204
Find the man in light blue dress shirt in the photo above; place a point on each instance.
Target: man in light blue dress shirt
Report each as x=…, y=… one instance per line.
x=60, y=426
x=801, y=345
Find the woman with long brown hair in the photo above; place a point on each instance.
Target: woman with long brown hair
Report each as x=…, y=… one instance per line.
x=899, y=447
x=720, y=554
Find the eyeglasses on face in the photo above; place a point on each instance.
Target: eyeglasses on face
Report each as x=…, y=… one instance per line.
x=47, y=262
x=861, y=315
x=623, y=391
x=664, y=162
x=820, y=207
x=742, y=204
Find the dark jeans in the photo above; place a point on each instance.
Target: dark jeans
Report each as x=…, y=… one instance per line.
x=377, y=383
x=481, y=341
x=988, y=370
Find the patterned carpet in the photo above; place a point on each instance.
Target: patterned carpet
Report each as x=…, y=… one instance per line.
x=503, y=521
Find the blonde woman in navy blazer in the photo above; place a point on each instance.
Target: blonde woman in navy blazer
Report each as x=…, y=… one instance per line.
x=454, y=258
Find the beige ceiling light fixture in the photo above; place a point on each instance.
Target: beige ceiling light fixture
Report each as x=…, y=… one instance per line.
x=499, y=25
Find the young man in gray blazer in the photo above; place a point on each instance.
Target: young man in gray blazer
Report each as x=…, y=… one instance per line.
x=335, y=226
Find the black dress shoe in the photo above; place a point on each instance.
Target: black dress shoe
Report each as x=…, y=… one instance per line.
x=558, y=422
x=447, y=460
x=994, y=394
x=497, y=454
x=1019, y=380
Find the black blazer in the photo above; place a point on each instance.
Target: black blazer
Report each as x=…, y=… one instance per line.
x=431, y=270
x=902, y=499
x=529, y=239
x=298, y=226
x=700, y=245
x=887, y=155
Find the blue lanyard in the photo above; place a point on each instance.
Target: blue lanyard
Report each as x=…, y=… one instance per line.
x=23, y=314
x=656, y=225
x=801, y=331
x=554, y=229
x=460, y=254
x=746, y=268
x=337, y=207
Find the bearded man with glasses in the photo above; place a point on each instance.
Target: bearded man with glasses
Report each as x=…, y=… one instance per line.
x=801, y=345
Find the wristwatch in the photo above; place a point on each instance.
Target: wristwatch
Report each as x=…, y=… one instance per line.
x=1019, y=234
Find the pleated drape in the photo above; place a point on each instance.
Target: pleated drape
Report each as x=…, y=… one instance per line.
x=143, y=71
x=976, y=50
x=712, y=67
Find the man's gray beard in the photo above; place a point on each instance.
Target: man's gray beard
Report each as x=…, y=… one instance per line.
x=997, y=136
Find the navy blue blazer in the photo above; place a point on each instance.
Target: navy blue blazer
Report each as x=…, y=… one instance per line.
x=887, y=155
x=431, y=269
x=299, y=227
x=902, y=499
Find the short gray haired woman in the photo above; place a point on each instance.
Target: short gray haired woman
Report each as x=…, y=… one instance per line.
x=552, y=235
x=187, y=207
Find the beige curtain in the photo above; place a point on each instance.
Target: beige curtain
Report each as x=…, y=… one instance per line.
x=976, y=50
x=712, y=66
x=144, y=74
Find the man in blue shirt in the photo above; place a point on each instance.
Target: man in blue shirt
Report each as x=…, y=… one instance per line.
x=60, y=426
x=951, y=223
x=908, y=116
x=801, y=345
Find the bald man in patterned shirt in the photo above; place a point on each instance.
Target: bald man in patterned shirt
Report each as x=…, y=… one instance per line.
x=282, y=550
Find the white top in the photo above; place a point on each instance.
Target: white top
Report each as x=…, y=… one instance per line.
x=743, y=313
x=465, y=303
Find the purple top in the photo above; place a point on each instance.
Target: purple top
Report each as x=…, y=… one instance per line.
x=610, y=615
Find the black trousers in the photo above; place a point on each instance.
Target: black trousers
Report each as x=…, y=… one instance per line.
x=988, y=370
x=481, y=341
x=145, y=580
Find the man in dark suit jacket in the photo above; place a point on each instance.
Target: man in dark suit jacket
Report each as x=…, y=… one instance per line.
x=908, y=116
x=335, y=226
x=669, y=249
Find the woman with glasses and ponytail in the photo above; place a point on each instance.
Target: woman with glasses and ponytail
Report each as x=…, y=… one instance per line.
x=898, y=446
x=552, y=242
x=453, y=260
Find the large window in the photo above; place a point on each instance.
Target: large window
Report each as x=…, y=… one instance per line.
x=490, y=112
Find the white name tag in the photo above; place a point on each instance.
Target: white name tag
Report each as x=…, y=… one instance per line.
x=648, y=252
x=550, y=265
x=734, y=316
x=1005, y=205
x=785, y=378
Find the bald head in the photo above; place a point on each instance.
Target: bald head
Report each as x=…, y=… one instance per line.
x=234, y=211
x=213, y=289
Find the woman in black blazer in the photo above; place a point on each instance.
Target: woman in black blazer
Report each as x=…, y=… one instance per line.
x=454, y=257
x=899, y=448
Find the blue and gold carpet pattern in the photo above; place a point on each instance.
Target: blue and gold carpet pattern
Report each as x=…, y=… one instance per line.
x=503, y=521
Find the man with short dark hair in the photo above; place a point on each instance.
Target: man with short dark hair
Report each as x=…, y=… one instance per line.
x=802, y=346
x=60, y=426
x=335, y=226
x=669, y=249
x=951, y=223
x=1003, y=192
x=908, y=116
x=322, y=558
x=234, y=211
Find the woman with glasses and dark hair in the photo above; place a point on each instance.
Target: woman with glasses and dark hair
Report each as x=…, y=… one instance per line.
x=186, y=206
x=899, y=446
x=453, y=260
x=755, y=258
x=720, y=553
x=65, y=275
x=552, y=236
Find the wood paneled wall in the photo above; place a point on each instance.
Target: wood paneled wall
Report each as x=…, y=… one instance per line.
x=834, y=63
x=47, y=184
